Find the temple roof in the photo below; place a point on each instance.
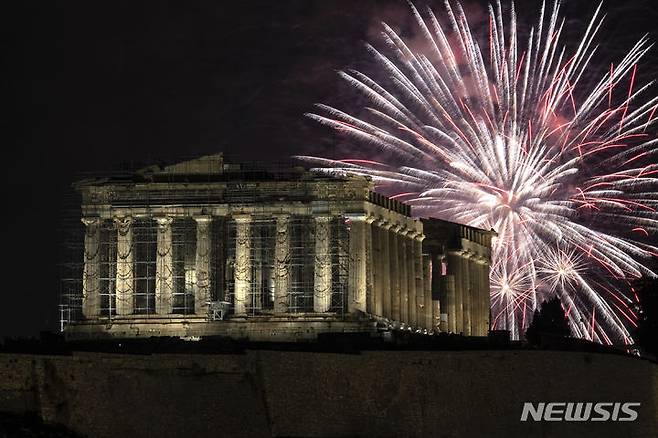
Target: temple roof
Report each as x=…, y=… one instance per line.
x=206, y=165
x=209, y=168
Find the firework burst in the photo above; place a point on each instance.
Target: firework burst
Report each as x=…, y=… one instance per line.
x=507, y=134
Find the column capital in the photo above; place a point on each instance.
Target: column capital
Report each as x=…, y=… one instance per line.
x=387, y=225
x=91, y=221
x=419, y=236
x=164, y=222
x=281, y=217
x=203, y=219
x=123, y=219
x=123, y=223
x=242, y=218
x=163, y=219
x=406, y=231
x=357, y=217
x=481, y=260
x=282, y=223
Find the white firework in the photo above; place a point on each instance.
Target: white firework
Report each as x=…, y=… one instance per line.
x=510, y=135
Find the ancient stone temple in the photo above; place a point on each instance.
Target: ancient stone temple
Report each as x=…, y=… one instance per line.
x=210, y=248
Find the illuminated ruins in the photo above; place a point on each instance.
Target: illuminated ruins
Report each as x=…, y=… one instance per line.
x=210, y=248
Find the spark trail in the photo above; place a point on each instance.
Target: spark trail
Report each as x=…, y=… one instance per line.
x=497, y=132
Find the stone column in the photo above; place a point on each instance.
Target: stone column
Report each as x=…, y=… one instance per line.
x=404, y=281
x=91, y=273
x=394, y=302
x=377, y=295
x=427, y=292
x=476, y=296
x=383, y=304
x=439, y=292
x=420, y=279
x=444, y=316
x=164, y=268
x=203, y=269
x=462, y=291
x=255, y=297
x=242, y=269
x=469, y=291
x=124, y=272
x=410, y=260
x=282, y=275
x=476, y=299
x=370, y=265
x=322, y=286
x=484, y=298
x=450, y=306
x=437, y=315
x=485, y=303
x=357, y=283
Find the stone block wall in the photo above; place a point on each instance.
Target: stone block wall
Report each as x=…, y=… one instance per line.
x=374, y=393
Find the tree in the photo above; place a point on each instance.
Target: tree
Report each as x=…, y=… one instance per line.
x=550, y=320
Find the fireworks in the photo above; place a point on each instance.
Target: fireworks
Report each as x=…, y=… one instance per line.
x=496, y=132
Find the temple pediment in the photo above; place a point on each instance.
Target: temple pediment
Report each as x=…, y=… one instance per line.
x=206, y=165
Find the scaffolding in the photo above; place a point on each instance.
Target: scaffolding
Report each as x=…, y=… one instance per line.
x=70, y=233
x=144, y=264
x=143, y=251
x=300, y=296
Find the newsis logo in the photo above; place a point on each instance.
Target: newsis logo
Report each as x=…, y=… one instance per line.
x=579, y=411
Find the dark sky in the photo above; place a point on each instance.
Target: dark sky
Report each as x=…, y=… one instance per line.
x=91, y=84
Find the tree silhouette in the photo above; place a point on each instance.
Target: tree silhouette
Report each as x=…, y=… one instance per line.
x=550, y=319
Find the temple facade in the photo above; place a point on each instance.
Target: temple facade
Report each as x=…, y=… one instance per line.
x=209, y=248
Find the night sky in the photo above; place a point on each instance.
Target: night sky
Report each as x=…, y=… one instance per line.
x=91, y=85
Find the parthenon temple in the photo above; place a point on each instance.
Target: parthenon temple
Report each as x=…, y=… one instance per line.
x=210, y=248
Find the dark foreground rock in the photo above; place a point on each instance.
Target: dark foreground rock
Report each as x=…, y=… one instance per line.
x=297, y=393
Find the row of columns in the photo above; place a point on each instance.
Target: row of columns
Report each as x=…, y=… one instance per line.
x=466, y=294
x=124, y=277
x=388, y=274
x=322, y=285
x=164, y=284
x=397, y=276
